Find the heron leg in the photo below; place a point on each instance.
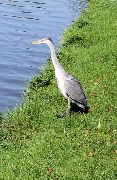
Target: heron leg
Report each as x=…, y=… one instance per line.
x=69, y=107
x=67, y=111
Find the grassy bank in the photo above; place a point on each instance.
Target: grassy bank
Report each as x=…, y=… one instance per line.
x=37, y=145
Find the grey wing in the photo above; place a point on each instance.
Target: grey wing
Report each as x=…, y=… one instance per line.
x=75, y=91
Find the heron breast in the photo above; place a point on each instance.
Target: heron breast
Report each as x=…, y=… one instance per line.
x=61, y=84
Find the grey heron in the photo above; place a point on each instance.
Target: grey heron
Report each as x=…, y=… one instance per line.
x=70, y=87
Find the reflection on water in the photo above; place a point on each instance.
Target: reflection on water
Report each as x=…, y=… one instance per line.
x=21, y=22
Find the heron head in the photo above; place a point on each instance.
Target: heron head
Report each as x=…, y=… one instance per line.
x=42, y=41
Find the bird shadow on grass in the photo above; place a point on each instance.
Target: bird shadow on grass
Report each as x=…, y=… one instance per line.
x=74, y=109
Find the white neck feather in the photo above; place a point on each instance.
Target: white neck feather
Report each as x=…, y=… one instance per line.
x=55, y=62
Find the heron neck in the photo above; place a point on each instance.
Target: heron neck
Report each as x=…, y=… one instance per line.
x=55, y=62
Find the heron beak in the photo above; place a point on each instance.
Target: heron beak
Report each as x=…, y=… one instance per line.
x=35, y=42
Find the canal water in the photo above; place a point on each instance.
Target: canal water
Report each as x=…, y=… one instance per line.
x=21, y=22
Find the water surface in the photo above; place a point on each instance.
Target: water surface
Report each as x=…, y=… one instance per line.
x=21, y=22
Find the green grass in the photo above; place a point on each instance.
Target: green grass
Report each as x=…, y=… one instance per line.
x=37, y=145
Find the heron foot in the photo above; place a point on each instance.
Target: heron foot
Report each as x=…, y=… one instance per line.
x=62, y=115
